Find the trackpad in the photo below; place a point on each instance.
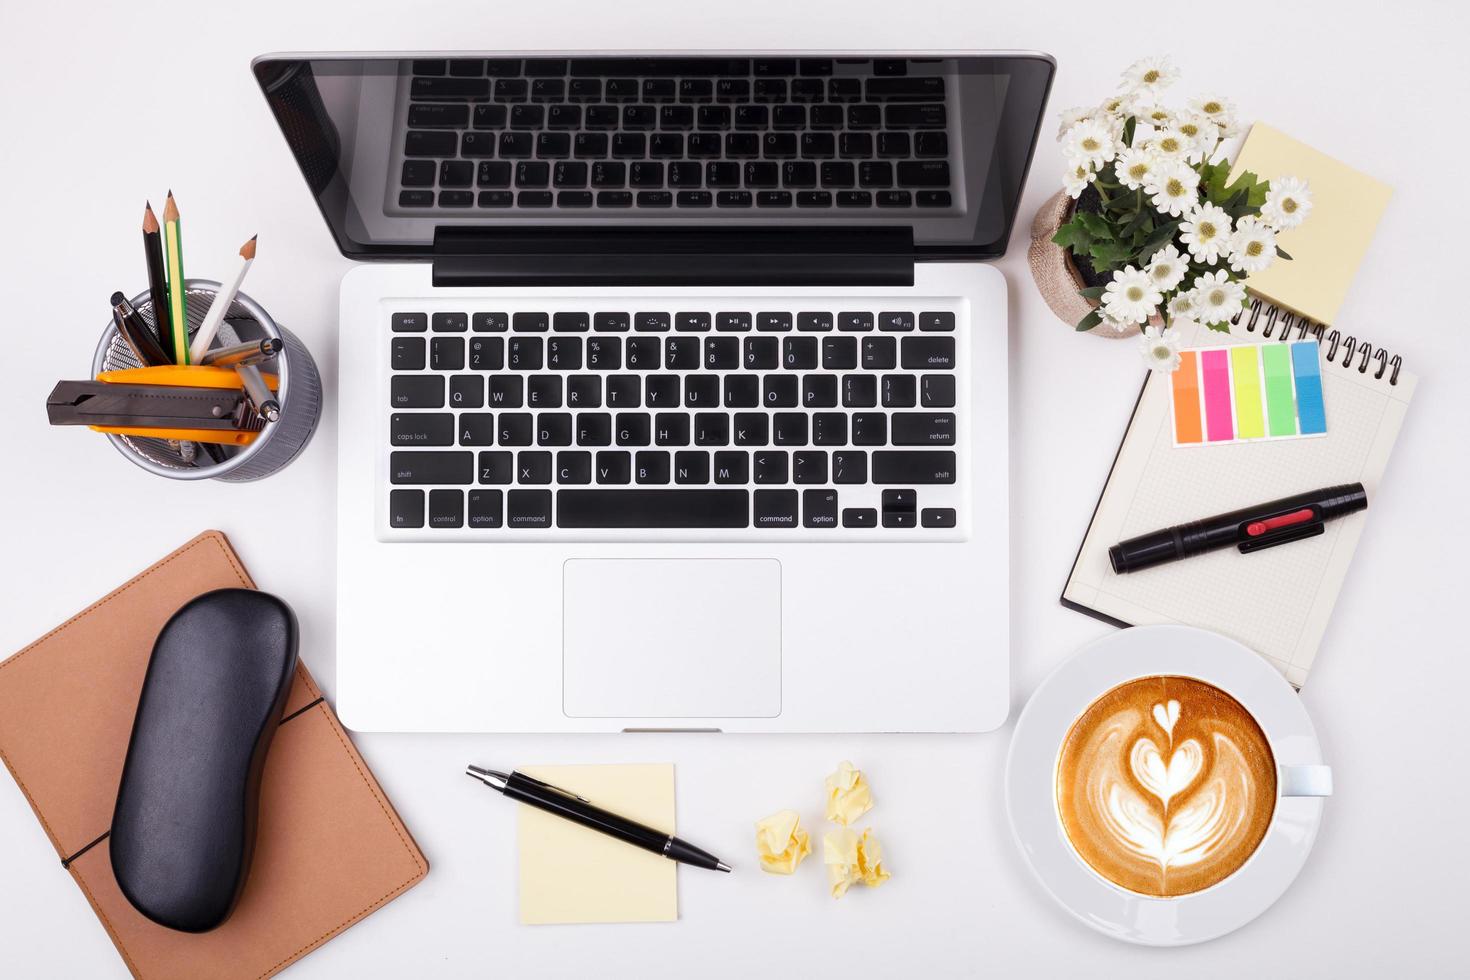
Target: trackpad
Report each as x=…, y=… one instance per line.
x=682, y=638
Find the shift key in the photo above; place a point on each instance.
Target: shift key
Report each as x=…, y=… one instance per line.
x=433, y=468
x=913, y=467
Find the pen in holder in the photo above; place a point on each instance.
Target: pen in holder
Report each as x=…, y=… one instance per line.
x=299, y=391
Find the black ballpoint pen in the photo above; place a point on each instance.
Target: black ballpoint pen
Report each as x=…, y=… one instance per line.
x=533, y=792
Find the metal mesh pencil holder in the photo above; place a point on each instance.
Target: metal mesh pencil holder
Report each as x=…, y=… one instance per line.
x=299, y=392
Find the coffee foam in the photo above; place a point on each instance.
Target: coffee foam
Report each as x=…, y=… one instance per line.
x=1165, y=785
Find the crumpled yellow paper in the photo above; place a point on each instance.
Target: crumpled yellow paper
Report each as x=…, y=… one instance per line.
x=848, y=795
x=851, y=857
x=781, y=842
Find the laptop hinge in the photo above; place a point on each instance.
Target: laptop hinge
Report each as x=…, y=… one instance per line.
x=552, y=255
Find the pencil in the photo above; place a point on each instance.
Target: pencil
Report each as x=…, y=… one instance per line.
x=178, y=312
x=204, y=336
x=157, y=286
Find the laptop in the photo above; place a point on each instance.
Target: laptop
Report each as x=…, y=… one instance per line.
x=672, y=389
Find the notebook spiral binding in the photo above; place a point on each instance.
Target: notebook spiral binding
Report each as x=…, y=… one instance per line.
x=1365, y=352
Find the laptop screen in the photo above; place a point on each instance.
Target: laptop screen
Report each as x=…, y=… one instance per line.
x=397, y=147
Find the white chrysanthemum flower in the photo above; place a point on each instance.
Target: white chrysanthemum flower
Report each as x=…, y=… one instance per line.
x=1160, y=349
x=1252, y=247
x=1076, y=178
x=1090, y=142
x=1171, y=144
x=1206, y=233
x=1071, y=117
x=1202, y=131
x=1219, y=110
x=1288, y=203
x=1167, y=268
x=1131, y=297
x=1173, y=187
x=1181, y=306
x=1216, y=298
x=1119, y=106
x=1157, y=116
x=1133, y=165
x=1116, y=326
x=1150, y=75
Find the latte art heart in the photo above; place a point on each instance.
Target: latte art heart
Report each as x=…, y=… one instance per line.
x=1165, y=785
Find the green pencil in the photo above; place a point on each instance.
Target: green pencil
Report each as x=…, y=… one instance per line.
x=173, y=248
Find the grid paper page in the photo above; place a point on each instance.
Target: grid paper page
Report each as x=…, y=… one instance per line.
x=1276, y=601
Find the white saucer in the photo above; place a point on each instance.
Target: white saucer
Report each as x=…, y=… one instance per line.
x=1031, y=791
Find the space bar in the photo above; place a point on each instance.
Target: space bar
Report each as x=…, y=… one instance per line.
x=652, y=508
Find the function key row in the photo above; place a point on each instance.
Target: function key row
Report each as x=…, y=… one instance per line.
x=699, y=67
x=654, y=322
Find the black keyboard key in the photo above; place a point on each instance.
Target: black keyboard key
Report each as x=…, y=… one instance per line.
x=850, y=466
x=406, y=508
x=732, y=89
x=624, y=391
x=725, y=174
x=778, y=145
x=839, y=353
x=439, y=467
x=496, y=468
x=661, y=391
x=548, y=89
x=937, y=391
x=773, y=199
x=721, y=353
x=493, y=173
x=696, y=90
x=476, y=429
x=490, y=116
x=923, y=428
x=789, y=117
x=936, y=321
x=844, y=89
x=770, y=466
x=456, y=199
x=614, y=467
x=854, y=199
x=546, y=67
x=798, y=174
x=513, y=144
x=601, y=117
x=573, y=467
x=675, y=117
x=864, y=117
x=899, y=391
x=446, y=353
x=685, y=174
x=713, y=117
x=524, y=354
x=652, y=509
x=621, y=89
x=651, y=467
x=490, y=322
x=924, y=173
x=584, y=391
x=507, y=390
x=440, y=89
x=913, y=467
x=533, y=468
x=817, y=145
x=604, y=353
x=859, y=517
x=819, y=391
x=484, y=144
x=485, y=509
x=429, y=66
x=854, y=321
x=869, y=429
x=734, y=199
x=467, y=67
x=788, y=429
x=761, y=353
x=639, y=117
x=742, y=390
x=528, y=508
x=695, y=199
x=417, y=173
x=642, y=353
x=407, y=354
x=530, y=322
x=752, y=116
x=550, y=146
x=646, y=173
x=799, y=353
x=894, y=145
x=514, y=429
x=655, y=199
x=859, y=390
x=554, y=429
x=526, y=116
x=732, y=466
x=585, y=145
x=931, y=353
x=930, y=144
x=875, y=173
x=671, y=429
x=450, y=323
x=594, y=429
x=614, y=199
x=712, y=429
x=826, y=117
x=818, y=508
x=564, y=117
x=446, y=508
x=809, y=467
x=762, y=174
x=701, y=390
x=632, y=429
x=914, y=116
x=769, y=90
x=779, y=391
x=814, y=322
x=750, y=429
x=681, y=353
x=691, y=466
x=421, y=429
x=467, y=391
x=543, y=390
x=880, y=353
x=415, y=199
x=428, y=143
x=938, y=517
x=829, y=429
x=775, y=508
x=416, y=391
x=895, y=322
x=511, y=89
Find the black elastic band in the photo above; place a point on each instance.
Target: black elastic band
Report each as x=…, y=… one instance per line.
x=302, y=709
x=66, y=862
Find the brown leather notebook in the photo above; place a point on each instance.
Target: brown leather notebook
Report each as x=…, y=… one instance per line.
x=329, y=847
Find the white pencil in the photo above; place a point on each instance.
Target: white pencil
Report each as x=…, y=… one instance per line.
x=204, y=336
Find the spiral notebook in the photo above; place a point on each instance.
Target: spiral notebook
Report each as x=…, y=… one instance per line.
x=1276, y=601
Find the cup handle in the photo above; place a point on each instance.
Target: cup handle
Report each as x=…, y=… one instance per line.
x=1306, y=780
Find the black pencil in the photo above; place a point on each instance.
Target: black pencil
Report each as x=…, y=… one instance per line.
x=157, y=292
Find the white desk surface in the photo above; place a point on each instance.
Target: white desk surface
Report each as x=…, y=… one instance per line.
x=1383, y=892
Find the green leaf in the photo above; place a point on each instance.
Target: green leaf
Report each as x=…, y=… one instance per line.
x=1095, y=224
x=1280, y=254
x=1128, y=128
x=1091, y=320
x=1071, y=235
x=1223, y=326
x=1157, y=239
x=1107, y=255
x=1092, y=292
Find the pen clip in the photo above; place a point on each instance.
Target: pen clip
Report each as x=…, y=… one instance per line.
x=1297, y=533
x=555, y=789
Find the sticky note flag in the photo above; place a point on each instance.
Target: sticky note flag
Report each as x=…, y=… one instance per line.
x=1247, y=392
x=781, y=843
x=848, y=795
x=851, y=858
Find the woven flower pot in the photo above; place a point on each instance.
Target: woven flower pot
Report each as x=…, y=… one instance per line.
x=1056, y=277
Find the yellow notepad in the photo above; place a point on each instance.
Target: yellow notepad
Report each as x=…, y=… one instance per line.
x=571, y=874
x=1328, y=247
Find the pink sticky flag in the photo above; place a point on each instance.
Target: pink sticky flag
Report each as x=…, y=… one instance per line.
x=1219, y=422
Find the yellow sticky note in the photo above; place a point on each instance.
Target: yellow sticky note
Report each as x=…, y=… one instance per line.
x=850, y=858
x=848, y=795
x=781, y=843
x=571, y=874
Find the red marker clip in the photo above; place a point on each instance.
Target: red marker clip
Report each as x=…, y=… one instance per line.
x=1257, y=528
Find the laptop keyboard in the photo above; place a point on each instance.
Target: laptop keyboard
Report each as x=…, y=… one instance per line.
x=818, y=422
x=697, y=134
